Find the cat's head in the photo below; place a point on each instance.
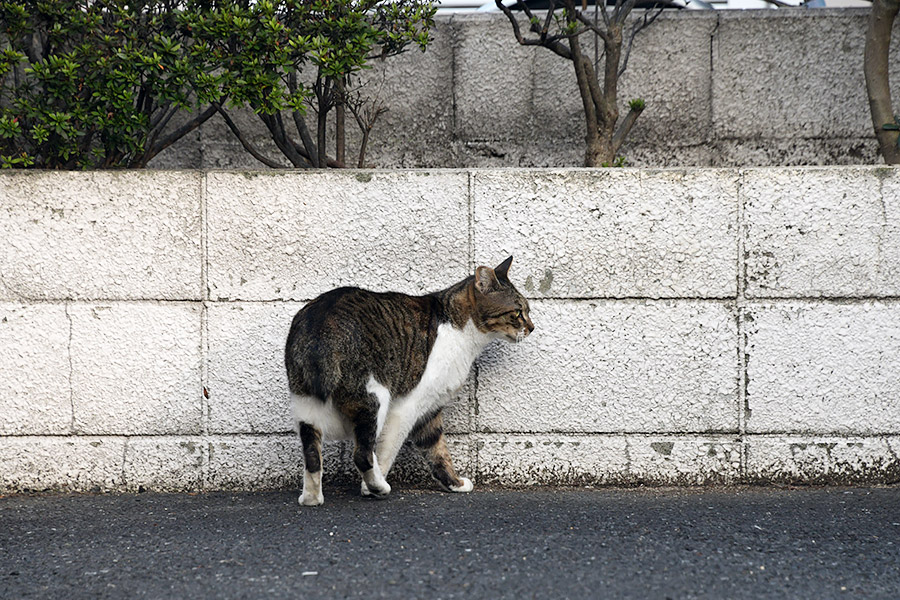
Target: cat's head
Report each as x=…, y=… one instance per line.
x=500, y=308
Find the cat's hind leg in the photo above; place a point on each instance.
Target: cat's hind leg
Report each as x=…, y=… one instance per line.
x=312, y=465
x=363, y=413
x=428, y=437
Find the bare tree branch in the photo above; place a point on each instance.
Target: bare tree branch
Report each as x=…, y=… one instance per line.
x=551, y=43
x=589, y=23
x=325, y=97
x=311, y=150
x=638, y=27
x=624, y=11
x=155, y=147
x=547, y=20
x=162, y=118
x=245, y=142
x=589, y=104
x=603, y=11
x=545, y=40
x=616, y=9
x=279, y=134
x=365, y=119
x=329, y=162
x=604, y=133
x=625, y=126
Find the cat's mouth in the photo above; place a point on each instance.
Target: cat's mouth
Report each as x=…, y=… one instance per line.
x=518, y=337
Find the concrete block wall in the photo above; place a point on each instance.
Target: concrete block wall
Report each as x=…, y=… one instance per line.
x=723, y=89
x=694, y=326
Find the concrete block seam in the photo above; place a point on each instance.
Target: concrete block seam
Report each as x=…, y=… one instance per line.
x=71, y=370
x=742, y=357
x=204, y=311
x=124, y=462
x=713, y=41
x=471, y=204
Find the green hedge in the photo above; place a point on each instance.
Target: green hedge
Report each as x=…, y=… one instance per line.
x=93, y=84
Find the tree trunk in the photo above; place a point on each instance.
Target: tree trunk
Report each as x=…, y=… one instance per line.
x=340, y=134
x=878, y=42
x=321, y=128
x=599, y=153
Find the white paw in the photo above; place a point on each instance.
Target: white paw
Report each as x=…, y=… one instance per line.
x=375, y=492
x=312, y=499
x=465, y=487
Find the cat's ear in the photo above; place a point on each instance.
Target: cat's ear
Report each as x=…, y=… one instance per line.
x=502, y=269
x=486, y=280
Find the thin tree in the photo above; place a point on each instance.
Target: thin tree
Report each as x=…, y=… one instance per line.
x=561, y=31
x=875, y=65
x=295, y=60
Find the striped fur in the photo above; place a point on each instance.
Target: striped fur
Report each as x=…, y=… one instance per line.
x=380, y=367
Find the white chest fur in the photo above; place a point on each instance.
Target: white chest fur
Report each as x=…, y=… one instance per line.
x=449, y=363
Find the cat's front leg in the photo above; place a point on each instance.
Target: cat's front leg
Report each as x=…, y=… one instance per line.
x=428, y=437
x=381, y=485
x=365, y=425
x=396, y=428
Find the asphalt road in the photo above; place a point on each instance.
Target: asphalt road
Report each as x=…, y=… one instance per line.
x=608, y=543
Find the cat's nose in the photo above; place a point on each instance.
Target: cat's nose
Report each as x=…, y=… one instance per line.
x=529, y=325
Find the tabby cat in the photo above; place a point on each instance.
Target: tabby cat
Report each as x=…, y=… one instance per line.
x=378, y=367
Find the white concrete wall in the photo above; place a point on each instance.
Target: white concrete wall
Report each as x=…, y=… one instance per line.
x=693, y=326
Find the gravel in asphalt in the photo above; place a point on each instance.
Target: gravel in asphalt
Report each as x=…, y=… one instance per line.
x=739, y=542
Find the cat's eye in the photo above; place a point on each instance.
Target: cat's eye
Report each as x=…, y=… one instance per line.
x=518, y=314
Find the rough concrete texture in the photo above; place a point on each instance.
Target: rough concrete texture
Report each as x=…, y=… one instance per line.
x=177, y=463
x=822, y=232
x=62, y=463
x=135, y=368
x=796, y=83
x=164, y=463
x=521, y=460
x=821, y=459
x=35, y=400
x=293, y=236
x=600, y=366
x=494, y=97
x=476, y=98
x=138, y=231
x=684, y=460
x=610, y=233
x=247, y=385
x=792, y=102
x=667, y=351
x=823, y=368
x=795, y=151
